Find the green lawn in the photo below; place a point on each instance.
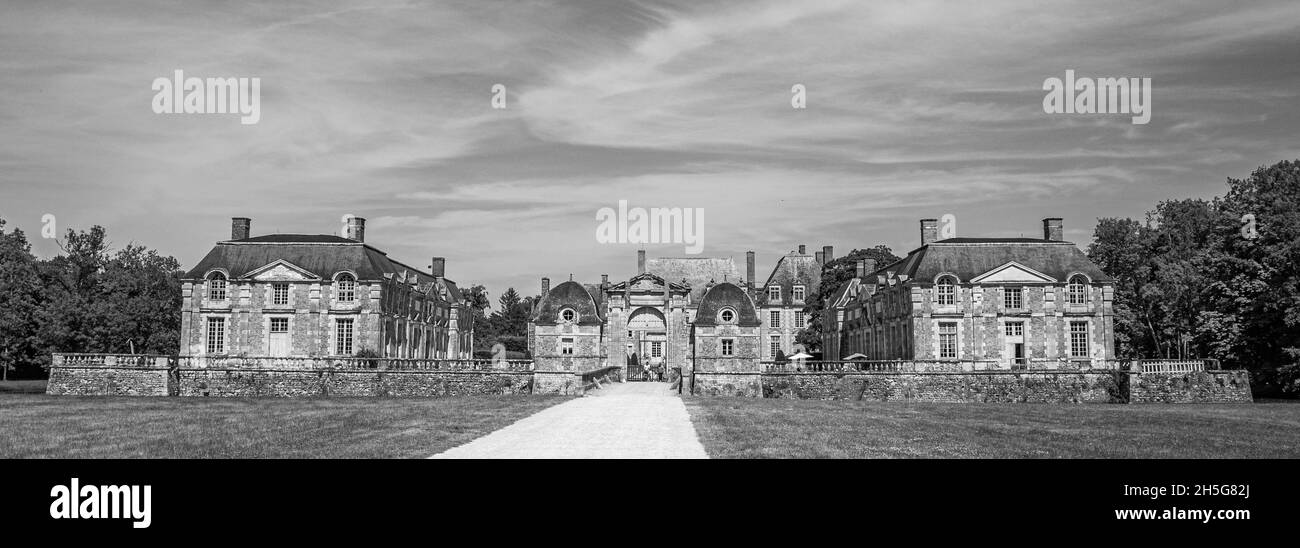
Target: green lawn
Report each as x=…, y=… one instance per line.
x=39, y=426
x=22, y=387
x=782, y=428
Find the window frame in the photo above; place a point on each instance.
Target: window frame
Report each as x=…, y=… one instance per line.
x=1083, y=350
x=212, y=289
x=774, y=319
x=727, y=347
x=722, y=316
x=1018, y=292
x=342, y=348
x=946, y=291
x=275, y=287
x=777, y=290
x=568, y=345
x=798, y=293
x=215, y=344
x=570, y=311
x=947, y=332
x=1081, y=283
x=344, y=293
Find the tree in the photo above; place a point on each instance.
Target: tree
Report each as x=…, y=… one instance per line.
x=21, y=298
x=835, y=274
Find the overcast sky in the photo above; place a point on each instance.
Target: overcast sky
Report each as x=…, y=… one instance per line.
x=382, y=109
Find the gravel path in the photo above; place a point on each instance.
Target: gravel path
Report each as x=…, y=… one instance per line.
x=634, y=420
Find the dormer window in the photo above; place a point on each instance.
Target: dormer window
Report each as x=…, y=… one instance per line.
x=568, y=315
x=798, y=292
x=347, y=288
x=774, y=293
x=217, y=287
x=727, y=316
x=947, y=291
x=1077, y=290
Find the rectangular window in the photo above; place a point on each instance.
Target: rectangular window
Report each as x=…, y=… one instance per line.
x=776, y=319
x=947, y=294
x=280, y=294
x=728, y=347
x=1012, y=299
x=279, y=325
x=774, y=293
x=1078, y=339
x=798, y=292
x=566, y=346
x=216, y=335
x=799, y=319
x=343, y=336
x=1015, y=329
x=947, y=340
x=775, y=346
x=656, y=349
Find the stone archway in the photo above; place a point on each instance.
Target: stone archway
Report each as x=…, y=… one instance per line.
x=649, y=342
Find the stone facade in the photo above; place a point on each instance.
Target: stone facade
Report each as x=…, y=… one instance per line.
x=1012, y=303
x=793, y=283
x=319, y=295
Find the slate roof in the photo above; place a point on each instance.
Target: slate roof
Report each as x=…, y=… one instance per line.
x=697, y=271
x=791, y=270
x=569, y=294
x=322, y=255
x=725, y=295
x=969, y=257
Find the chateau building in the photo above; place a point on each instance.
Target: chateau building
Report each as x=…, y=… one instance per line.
x=1008, y=302
x=304, y=295
x=657, y=315
x=794, y=280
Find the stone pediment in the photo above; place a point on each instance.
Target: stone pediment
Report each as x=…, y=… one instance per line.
x=1013, y=272
x=281, y=270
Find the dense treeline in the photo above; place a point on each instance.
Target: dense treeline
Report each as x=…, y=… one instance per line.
x=1215, y=278
x=86, y=299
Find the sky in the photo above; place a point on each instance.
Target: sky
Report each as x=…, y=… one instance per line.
x=383, y=110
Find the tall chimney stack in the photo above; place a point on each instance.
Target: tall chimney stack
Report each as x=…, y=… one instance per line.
x=439, y=267
x=357, y=229
x=240, y=227
x=803, y=250
x=546, y=286
x=749, y=268
x=929, y=231
x=868, y=266
x=1054, y=229
x=640, y=261
x=828, y=253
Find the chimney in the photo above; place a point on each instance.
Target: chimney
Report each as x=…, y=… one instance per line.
x=820, y=256
x=546, y=286
x=803, y=250
x=604, y=281
x=868, y=266
x=439, y=267
x=357, y=229
x=828, y=253
x=240, y=227
x=749, y=268
x=640, y=261
x=1054, y=229
x=929, y=231
x=862, y=268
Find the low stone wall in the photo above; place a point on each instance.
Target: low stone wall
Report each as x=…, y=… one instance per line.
x=345, y=383
x=968, y=387
x=745, y=385
x=1198, y=387
x=996, y=387
x=108, y=381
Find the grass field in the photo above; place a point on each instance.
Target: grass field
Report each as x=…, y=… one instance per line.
x=39, y=426
x=781, y=428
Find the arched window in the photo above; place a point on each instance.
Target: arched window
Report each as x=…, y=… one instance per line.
x=727, y=315
x=217, y=287
x=347, y=288
x=947, y=291
x=568, y=315
x=1077, y=290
